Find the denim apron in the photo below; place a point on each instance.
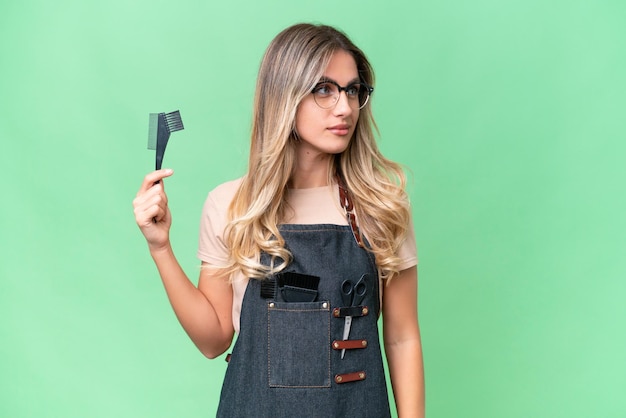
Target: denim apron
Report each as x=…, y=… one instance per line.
x=287, y=361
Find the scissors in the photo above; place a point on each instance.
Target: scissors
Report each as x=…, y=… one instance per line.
x=351, y=295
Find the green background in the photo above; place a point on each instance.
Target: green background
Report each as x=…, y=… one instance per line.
x=509, y=114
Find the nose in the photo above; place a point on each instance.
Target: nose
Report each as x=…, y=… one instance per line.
x=343, y=105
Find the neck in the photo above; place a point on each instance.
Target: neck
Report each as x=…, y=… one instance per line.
x=311, y=172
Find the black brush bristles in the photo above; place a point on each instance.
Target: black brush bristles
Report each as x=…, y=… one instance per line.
x=174, y=121
x=159, y=129
x=268, y=288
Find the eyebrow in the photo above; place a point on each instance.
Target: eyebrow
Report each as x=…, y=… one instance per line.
x=325, y=79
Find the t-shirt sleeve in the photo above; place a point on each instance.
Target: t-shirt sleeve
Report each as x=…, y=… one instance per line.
x=212, y=248
x=408, y=250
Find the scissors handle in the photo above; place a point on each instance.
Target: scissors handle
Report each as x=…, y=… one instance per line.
x=347, y=289
x=353, y=294
x=360, y=289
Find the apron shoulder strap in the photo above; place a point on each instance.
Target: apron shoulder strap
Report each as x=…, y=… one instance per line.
x=346, y=203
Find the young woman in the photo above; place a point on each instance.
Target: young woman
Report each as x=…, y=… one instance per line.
x=302, y=254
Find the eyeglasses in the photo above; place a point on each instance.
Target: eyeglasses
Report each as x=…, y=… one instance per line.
x=326, y=94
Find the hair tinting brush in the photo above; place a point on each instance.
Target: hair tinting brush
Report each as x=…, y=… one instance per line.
x=159, y=130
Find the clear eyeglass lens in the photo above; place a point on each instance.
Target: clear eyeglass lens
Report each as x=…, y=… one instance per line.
x=326, y=95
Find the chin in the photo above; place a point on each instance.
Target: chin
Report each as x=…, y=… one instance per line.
x=338, y=149
x=331, y=145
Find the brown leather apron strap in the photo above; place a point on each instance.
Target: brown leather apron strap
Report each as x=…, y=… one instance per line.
x=349, y=344
x=349, y=377
x=350, y=311
x=346, y=203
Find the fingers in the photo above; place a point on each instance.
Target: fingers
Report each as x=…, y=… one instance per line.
x=154, y=195
x=150, y=179
x=151, y=200
x=151, y=205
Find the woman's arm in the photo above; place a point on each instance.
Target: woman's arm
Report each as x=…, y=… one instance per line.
x=203, y=311
x=403, y=344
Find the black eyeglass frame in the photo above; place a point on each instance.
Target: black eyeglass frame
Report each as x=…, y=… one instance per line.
x=368, y=88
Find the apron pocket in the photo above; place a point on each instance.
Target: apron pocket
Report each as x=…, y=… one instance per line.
x=298, y=344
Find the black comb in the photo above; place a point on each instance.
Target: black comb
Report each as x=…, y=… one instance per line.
x=297, y=287
x=159, y=130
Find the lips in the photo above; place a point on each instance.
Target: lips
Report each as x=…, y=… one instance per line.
x=341, y=129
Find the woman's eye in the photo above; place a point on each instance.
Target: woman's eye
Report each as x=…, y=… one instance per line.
x=353, y=90
x=324, y=89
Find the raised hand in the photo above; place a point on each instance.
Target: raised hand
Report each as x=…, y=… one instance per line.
x=151, y=211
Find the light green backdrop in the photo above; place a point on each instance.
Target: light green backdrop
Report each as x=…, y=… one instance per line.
x=510, y=114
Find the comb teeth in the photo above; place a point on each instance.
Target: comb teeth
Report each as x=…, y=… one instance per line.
x=304, y=281
x=153, y=129
x=173, y=121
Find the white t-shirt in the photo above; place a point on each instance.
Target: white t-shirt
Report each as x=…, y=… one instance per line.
x=319, y=205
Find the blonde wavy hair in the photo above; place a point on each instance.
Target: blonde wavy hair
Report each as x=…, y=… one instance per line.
x=293, y=63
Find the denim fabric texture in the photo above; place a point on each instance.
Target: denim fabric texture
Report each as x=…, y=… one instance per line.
x=283, y=363
x=286, y=344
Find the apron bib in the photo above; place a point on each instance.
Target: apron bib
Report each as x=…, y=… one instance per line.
x=287, y=361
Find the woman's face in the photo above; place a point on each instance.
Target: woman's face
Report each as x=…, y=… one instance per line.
x=328, y=131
